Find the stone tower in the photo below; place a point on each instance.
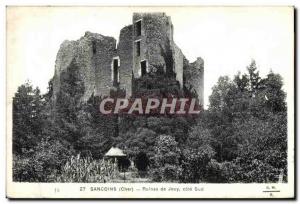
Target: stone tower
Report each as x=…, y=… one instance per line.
x=154, y=46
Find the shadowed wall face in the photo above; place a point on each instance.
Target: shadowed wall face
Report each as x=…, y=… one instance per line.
x=105, y=52
x=152, y=42
x=92, y=55
x=194, y=77
x=125, y=53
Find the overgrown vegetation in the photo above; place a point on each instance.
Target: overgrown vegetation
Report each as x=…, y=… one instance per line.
x=241, y=137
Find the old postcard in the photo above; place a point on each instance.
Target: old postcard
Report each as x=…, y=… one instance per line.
x=150, y=102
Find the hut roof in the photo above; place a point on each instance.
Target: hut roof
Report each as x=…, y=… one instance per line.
x=115, y=152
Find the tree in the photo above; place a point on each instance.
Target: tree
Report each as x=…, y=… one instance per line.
x=220, y=116
x=254, y=78
x=245, y=97
x=221, y=93
x=196, y=155
x=68, y=104
x=265, y=142
x=141, y=140
x=242, y=82
x=27, y=118
x=166, y=159
x=247, y=120
x=274, y=95
x=96, y=129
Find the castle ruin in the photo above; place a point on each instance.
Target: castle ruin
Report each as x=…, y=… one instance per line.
x=147, y=44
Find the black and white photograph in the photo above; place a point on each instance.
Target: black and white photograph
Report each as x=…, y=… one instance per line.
x=150, y=102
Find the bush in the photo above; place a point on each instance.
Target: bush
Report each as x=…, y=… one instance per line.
x=194, y=164
x=46, y=158
x=166, y=160
x=22, y=169
x=241, y=171
x=156, y=175
x=167, y=173
x=255, y=171
x=224, y=172
x=171, y=172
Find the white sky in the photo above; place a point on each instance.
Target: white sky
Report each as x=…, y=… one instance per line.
x=227, y=38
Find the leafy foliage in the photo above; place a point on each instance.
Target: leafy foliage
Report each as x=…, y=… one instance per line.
x=38, y=165
x=247, y=120
x=27, y=118
x=166, y=159
x=196, y=155
x=242, y=137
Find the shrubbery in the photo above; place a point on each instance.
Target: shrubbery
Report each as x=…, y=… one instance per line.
x=36, y=166
x=165, y=165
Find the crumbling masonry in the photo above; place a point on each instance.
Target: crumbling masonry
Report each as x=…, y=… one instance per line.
x=143, y=46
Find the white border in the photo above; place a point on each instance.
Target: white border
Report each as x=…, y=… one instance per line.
x=103, y=3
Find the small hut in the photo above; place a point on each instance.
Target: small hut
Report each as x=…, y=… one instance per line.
x=118, y=157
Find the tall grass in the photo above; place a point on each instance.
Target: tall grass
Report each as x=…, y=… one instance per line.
x=85, y=170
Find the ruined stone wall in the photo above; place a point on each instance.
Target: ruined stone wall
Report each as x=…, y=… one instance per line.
x=104, y=51
x=194, y=77
x=178, y=63
x=92, y=54
x=201, y=89
x=156, y=40
x=64, y=59
x=142, y=39
x=79, y=53
x=125, y=53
